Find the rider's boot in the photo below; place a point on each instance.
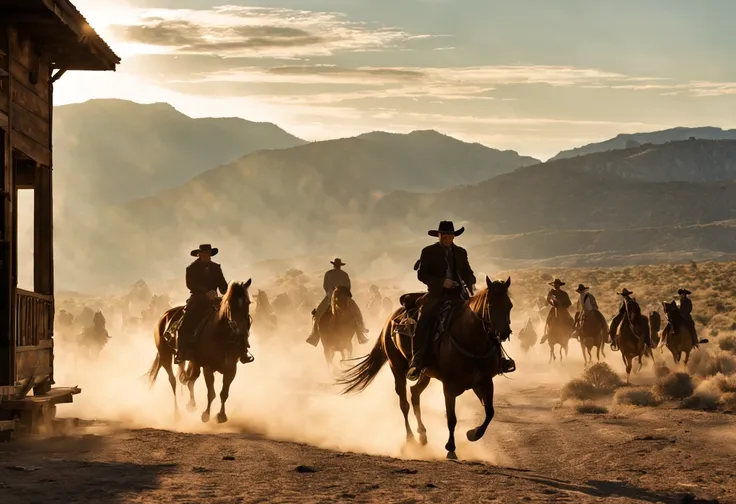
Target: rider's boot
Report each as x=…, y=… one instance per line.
x=313, y=338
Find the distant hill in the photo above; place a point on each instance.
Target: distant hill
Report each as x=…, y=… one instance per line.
x=626, y=140
x=286, y=201
x=112, y=151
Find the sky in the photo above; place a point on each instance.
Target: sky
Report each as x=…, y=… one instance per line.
x=535, y=76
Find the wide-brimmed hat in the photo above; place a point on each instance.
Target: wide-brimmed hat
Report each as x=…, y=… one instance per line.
x=684, y=291
x=446, y=228
x=557, y=282
x=581, y=288
x=625, y=292
x=205, y=247
x=337, y=262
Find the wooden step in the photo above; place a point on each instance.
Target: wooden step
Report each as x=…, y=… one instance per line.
x=58, y=395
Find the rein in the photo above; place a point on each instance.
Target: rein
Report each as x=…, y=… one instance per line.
x=493, y=340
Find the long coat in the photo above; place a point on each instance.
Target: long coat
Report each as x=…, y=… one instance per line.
x=433, y=268
x=335, y=278
x=205, y=277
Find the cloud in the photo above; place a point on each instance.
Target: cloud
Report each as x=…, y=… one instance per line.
x=233, y=31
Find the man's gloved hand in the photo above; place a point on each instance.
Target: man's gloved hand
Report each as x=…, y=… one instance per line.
x=211, y=295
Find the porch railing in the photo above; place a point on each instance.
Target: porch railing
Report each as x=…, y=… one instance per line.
x=34, y=315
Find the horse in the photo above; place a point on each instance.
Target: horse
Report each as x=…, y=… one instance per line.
x=375, y=304
x=217, y=349
x=94, y=338
x=677, y=342
x=265, y=314
x=655, y=324
x=528, y=336
x=466, y=356
x=632, y=332
x=337, y=326
x=592, y=332
x=559, y=332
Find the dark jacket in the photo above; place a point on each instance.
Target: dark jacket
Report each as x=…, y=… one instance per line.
x=563, y=299
x=686, y=307
x=433, y=268
x=335, y=278
x=204, y=277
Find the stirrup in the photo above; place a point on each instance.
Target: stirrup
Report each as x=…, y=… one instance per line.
x=247, y=358
x=508, y=365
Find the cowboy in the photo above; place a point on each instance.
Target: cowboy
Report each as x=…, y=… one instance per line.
x=686, y=308
x=560, y=302
x=204, y=278
x=336, y=277
x=622, y=312
x=442, y=267
x=587, y=306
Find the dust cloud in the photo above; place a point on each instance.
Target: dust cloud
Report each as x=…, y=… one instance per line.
x=289, y=394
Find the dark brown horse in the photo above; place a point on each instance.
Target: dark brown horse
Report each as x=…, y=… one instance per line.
x=631, y=337
x=678, y=342
x=337, y=326
x=222, y=340
x=559, y=332
x=467, y=356
x=592, y=332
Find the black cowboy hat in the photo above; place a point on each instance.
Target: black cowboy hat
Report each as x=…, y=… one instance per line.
x=684, y=291
x=557, y=282
x=625, y=292
x=581, y=288
x=446, y=227
x=205, y=247
x=337, y=262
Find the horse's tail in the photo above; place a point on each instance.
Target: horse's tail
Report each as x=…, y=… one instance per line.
x=153, y=372
x=358, y=377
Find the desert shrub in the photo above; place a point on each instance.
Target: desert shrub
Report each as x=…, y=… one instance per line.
x=636, y=396
x=705, y=362
x=590, y=408
x=727, y=343
x=579, y=389
x=674, y=386
x=602, y=377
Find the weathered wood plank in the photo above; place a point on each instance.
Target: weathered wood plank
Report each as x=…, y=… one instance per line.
x=31, y=148
x=21, y=76
x=3, y=123
x=22, y=50
x=35, y=363
x=30, y=125
x=30, y=101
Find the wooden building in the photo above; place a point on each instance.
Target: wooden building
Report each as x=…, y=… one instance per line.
x=40, y=40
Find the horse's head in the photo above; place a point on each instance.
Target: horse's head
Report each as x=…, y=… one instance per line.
x=340, y=299
x=235, y=308
x=670, y=309
x=493, y=305
x=98, y=320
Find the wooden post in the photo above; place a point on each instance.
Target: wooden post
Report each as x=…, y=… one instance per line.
x=7, y=241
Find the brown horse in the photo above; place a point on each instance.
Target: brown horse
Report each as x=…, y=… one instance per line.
x=219, y=346
x=631, y=337
x=528, y=336
x=265, y=315
x=467, y=356
x=337, y=326
x=592, y=332
x=677, y=342
x=559, y=332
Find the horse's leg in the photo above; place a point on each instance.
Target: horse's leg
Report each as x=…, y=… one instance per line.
x=551, y=353
x=485, y=394
x=687, y=357
x=400, y=388
x=627, y=363
x=641, y=363
x=565, y=347
x=416, y=392
x=209, y=380
x=585, y=357
x=194, y=375
x=227, y=379
x=166, y=361
x=597, y=352
x=450, y=398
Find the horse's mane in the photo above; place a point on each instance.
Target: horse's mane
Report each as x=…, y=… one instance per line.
x=478, y=303
x=333, y=298
x=236, y=290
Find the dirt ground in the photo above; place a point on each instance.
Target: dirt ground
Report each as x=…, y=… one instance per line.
x=649, y=455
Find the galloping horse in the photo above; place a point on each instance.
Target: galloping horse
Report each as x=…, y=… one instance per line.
x=631, y=337
x=593, y=332
x=559, y=332
x=265, y=315
x=337, y=326
x=677, y=342
x=218, y=348
x=528, y=336
x=467, y=356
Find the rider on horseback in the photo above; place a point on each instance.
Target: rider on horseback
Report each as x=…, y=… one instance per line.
x=204, y=277
x=628, y=305
x=336, y=277
x=441, y=267
x=587, y=306
x=686, y=308
x=560, y=302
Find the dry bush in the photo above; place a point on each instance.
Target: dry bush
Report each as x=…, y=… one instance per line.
x=727, y=343
x=581, y=390
x=674, y=386
x=636, y=396
x=715, y=392
x=602, y=377
x=705, y=362
x=589, y=408
x=661, y=370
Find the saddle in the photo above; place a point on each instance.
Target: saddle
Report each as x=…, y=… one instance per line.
x=411, y=303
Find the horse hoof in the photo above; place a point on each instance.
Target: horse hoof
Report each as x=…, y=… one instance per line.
x=472, y=435
x=191, y=407
x=423, y=439
x=205, y=417
x=451, y=455
x=410, y=439
x=221, y=418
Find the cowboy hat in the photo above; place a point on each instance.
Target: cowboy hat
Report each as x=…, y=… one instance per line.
x=337, y=262
x=581, y=288
x=684, y=291
x=557, y=282
x=205, y=247
x=447, y=228
x=625, y=292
